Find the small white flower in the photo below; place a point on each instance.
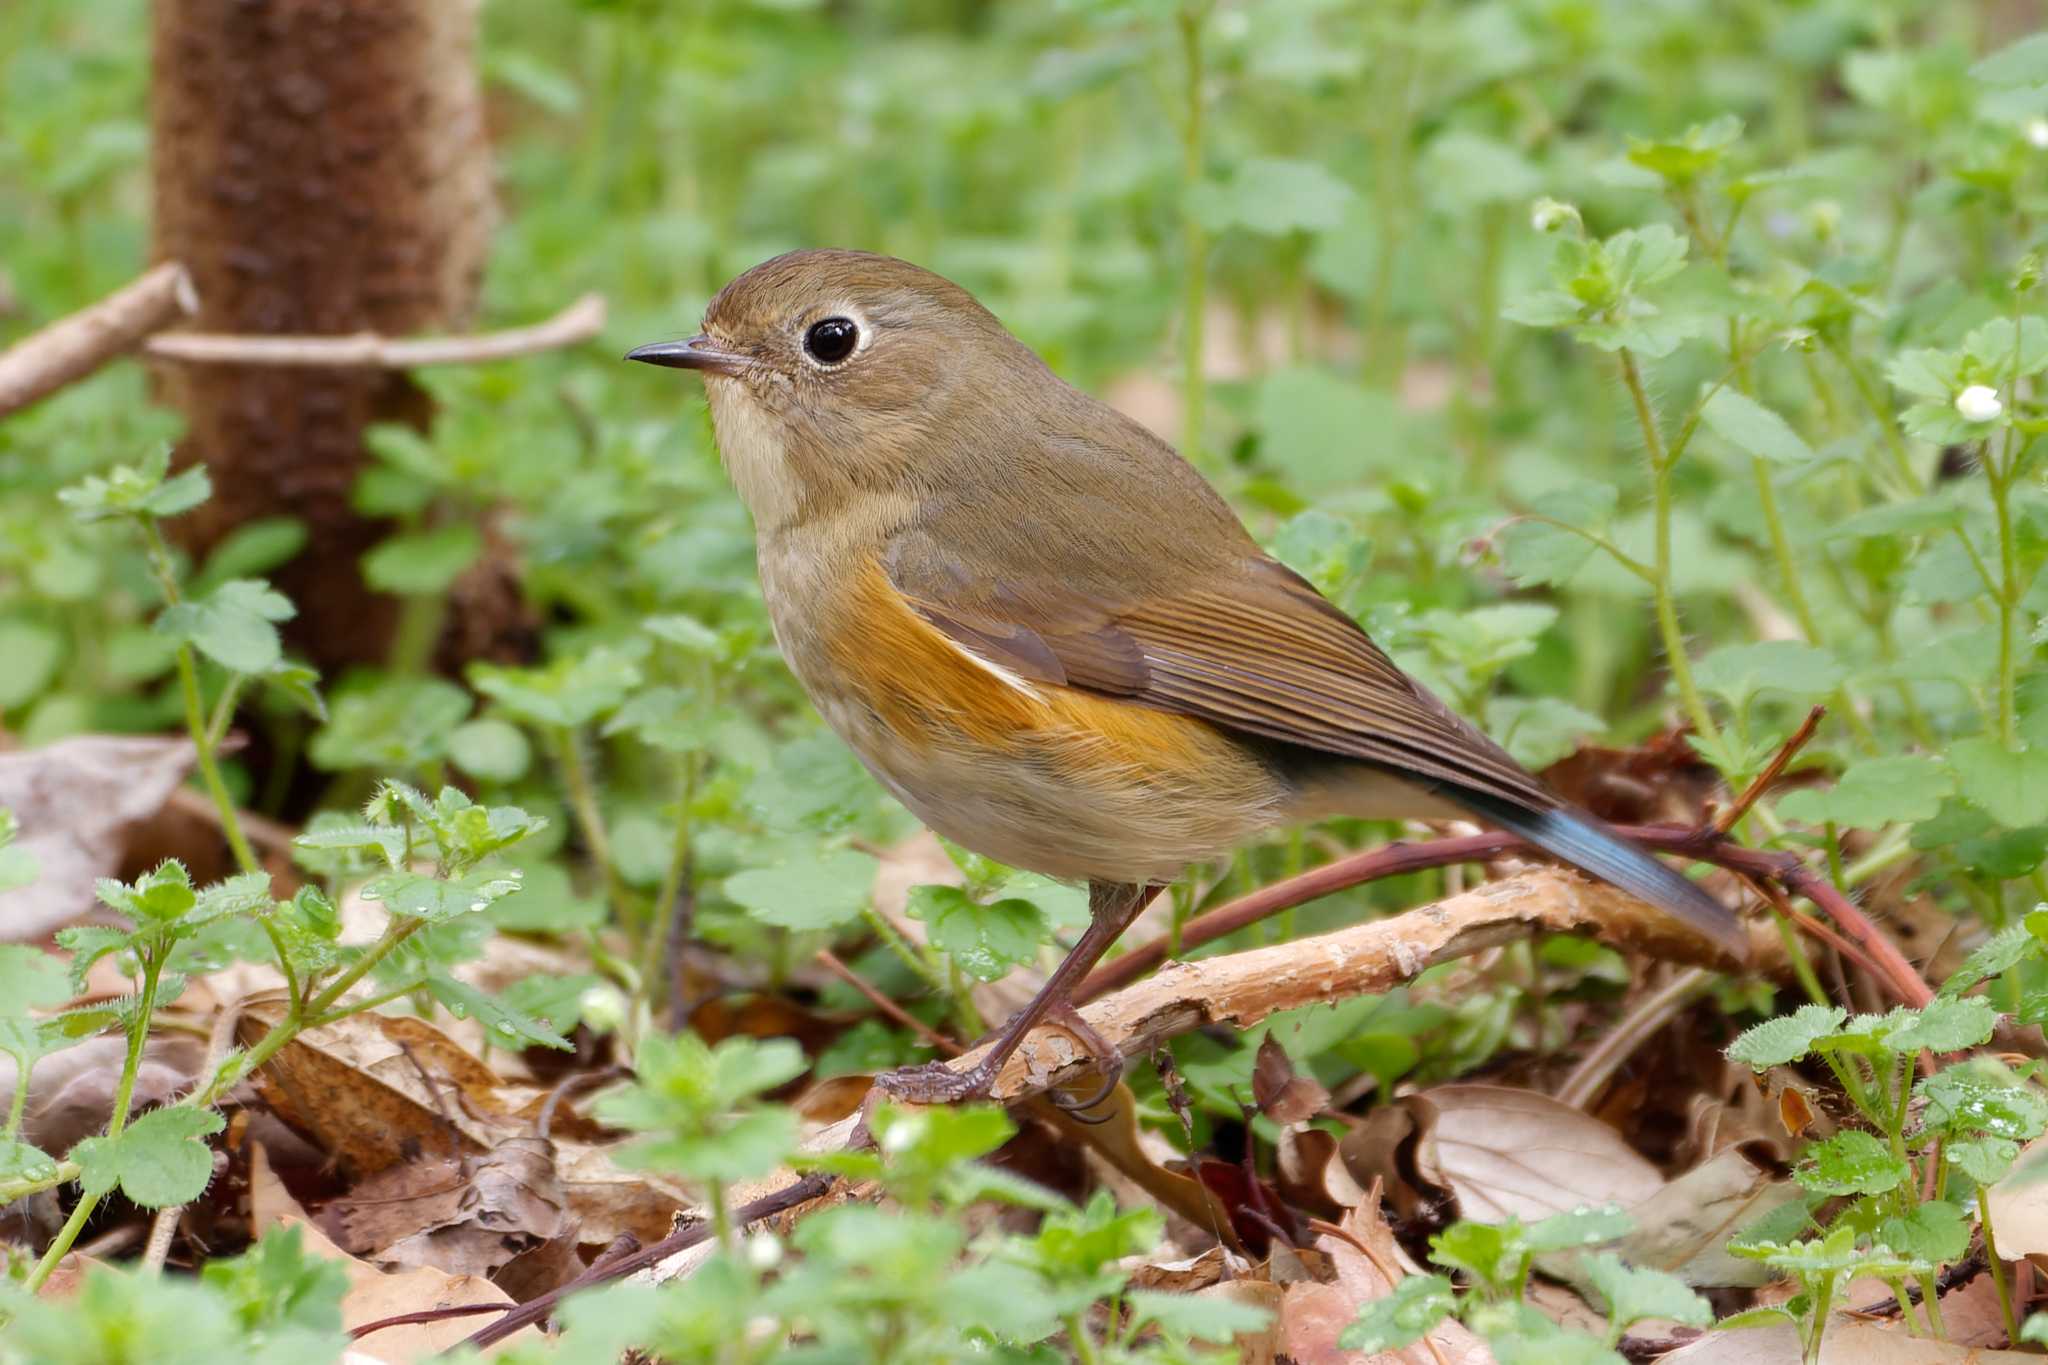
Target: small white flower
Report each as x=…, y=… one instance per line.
x=1549, y=215
x=603, y=1008
x=1979, y=403
x=764, y=1251
x=2037, y=132
x=903, y=1134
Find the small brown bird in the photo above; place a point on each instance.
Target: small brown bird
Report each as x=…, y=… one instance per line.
x=1045, y=633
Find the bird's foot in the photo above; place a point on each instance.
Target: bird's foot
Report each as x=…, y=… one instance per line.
x=1108, y=1058
x=937, y=1083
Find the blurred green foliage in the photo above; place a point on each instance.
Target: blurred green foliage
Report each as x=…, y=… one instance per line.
x=1611, y=362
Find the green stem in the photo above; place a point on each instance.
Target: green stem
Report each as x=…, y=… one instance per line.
x=165, y=571
x=1781, y=548
x=1194, y=236
x=1661, y=464
x=124, y=1098
x=721, y=1215
x=1873, y=400
x=920, y=968
x=2012, y=1324
x=395, y=933
x=2008, y=595
x=583, y=800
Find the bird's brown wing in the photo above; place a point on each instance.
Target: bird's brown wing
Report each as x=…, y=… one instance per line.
x=1253, y=648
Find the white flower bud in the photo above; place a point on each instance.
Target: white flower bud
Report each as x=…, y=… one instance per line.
x=1979, y=403
x=2037, y=132
x=1550, y=215
x=603, y=1007
x=764, y=1251
x=904, y=1133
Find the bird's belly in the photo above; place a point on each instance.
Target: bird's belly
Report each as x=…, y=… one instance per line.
x=1037, y=776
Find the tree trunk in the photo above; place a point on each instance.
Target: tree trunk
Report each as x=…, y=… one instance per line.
x=320, y=166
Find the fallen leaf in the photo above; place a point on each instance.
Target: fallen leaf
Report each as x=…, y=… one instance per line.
x=467, y=1216
x=75, y=800
x=1501, y=1153
x=1845, y=1343
x=1282, y=1094
x=374, y=1294
x=1365, y=1263
x=1684, y=1227
x=2019, y=1203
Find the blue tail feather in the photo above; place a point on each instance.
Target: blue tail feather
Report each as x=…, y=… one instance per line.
x=1586, y=844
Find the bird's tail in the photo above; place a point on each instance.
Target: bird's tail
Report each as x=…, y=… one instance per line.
x=1585, y=843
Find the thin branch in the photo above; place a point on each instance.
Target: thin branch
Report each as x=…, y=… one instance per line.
x=73, y=347
x=1239, y=990
x=830, y=961
x=1772, y=771
x=579, y=322
x=1705, y=844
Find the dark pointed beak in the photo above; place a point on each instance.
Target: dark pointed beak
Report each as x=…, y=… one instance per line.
x=700, y=352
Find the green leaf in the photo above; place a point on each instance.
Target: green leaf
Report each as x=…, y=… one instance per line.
x=2012, y=785
x=33, y=653
x=1850, y=1162
x=1936, y=1231
x=1635, y=1294
x=1784, y=1040
x=255, y=547
x=31, y=978
x=1751, y=427
x=819, y=893
x=1317, y=428
x=433, y=899
x=233, y=625
x=1944, y=1024
x=1873, y=793
x=1538, y=731
x=2021, y=63
x=1582, y=1227
x=1985, y=1160
x=1980, y=1098
x=1195, y=1317
x=389, y=723
x=985, y=940
x=1274, y=196
x=1415, y=1307
x=20, y=1162
x=158, y=1160
x=490, y=750
x=278, y=1284
x=1998, y=954
x=511, y=1027
x=423, y=563
x=138, y=490
x=1466, y=170
x=574, y=690
x=1738, y=672
x=1538, y=552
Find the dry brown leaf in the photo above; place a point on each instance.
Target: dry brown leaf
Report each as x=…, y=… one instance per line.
x=467, y=1216
x=1261, y=1347
x=1282, y=1094
x=76, y=800
x=1503, y=1153
x=1115, y=1137
x=374, y=1294
x=1311, y=1174
x=2019, y=1204
x=71, y=1093
x=1846, y=1343
x=1684, y=1227
x=1366, y=1262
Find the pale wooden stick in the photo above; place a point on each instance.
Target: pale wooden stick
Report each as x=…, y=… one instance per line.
x=580, y=321
x=73, y=347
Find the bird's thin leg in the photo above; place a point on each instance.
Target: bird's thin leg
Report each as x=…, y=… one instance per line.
x=1111, y=908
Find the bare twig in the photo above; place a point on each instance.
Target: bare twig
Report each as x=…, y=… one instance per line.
x=1703, y=843
x=73, y=347
x=580, y=321
x=895, y=1012
x=1617, y=1044
x=1240, y=990
x=1772, y=771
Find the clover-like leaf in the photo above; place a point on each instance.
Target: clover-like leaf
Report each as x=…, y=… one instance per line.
x=1407, y=1314
x=1850, y=1162
x=158, y=1160
x=235, y=625
x=1780, y=1041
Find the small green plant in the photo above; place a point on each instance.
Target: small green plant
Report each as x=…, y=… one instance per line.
x=1494, y=1261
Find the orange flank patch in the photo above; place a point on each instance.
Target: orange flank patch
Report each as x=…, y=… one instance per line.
x=932, y=696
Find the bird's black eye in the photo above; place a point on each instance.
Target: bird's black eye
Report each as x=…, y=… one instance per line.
x=832, y=340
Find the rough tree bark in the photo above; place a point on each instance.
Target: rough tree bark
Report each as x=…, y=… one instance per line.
x=320, y=166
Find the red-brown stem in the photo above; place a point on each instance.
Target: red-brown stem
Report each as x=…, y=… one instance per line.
x=1705, y=843
x=1772, y=770
x=889, y=1008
